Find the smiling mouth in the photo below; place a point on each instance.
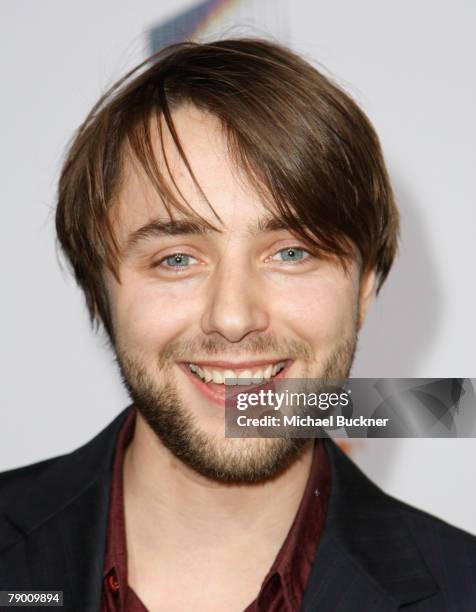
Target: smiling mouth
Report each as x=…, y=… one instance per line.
x=236, y=376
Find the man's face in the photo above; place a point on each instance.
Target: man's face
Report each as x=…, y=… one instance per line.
x=196, y=305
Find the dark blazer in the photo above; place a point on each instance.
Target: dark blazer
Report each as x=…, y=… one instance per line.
x=376, y=553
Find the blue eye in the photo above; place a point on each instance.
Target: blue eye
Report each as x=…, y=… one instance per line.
x=290, y=254
x=177, y=260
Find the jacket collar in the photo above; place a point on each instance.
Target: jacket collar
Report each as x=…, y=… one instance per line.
x=365, y=537
x=367, y=550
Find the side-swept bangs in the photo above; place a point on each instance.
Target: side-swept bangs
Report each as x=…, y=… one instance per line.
x=304, y=144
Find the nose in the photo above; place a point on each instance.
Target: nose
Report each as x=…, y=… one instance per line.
x=236, y=305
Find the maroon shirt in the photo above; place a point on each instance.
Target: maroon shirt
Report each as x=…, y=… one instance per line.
x=283, y=587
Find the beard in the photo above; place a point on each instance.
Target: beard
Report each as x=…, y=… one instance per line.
x=224, y=460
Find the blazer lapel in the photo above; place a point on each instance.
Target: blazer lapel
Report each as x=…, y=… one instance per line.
x=53, y=534
x=366, y=559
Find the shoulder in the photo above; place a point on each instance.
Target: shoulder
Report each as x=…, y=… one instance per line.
x=448, y=552
x=436, y=536
x=15, y=480
x=358, y=496
x=62, y=475
x=412, y=554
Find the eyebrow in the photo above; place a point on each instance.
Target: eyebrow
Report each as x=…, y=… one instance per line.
x=158, y=228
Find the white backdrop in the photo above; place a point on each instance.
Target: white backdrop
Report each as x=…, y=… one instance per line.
x=409, y=64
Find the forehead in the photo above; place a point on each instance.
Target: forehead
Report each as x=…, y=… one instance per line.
x=225, y=185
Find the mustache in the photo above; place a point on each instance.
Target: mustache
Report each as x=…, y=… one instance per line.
x=266, y=345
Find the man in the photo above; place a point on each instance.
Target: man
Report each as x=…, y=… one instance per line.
x=227, y=212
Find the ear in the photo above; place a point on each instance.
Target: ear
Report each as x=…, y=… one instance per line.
x=368, y=285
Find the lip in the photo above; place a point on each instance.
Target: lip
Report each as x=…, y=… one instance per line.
x=215, y=393
x=236, y=365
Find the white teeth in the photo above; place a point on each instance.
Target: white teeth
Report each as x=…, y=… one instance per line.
x=218, y=376
x=244, y=377
x=207, y=375
x=244, y=374
x=229, y=374
x=275, y=369
x=257, y=377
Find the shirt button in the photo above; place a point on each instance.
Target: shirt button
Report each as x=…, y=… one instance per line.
x=113, y=583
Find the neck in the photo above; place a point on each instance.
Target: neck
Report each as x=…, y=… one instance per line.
x=166, y=501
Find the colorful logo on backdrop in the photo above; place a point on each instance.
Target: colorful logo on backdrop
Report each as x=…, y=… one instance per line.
x=187, y=24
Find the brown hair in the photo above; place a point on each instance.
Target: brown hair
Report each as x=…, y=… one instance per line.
x=307, y=147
